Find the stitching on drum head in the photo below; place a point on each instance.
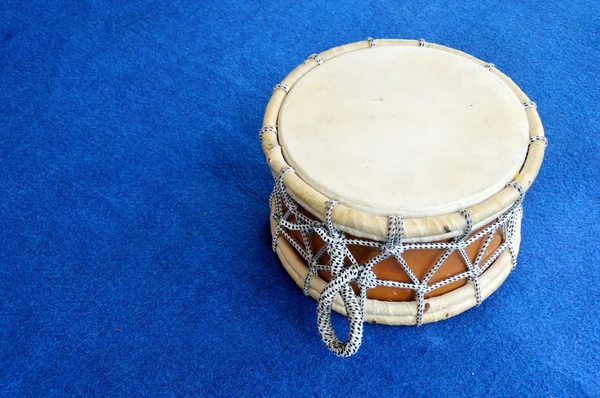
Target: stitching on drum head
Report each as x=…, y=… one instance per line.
x=264, y=130
x=317, y=58
x=539, y=138
x=282, y=86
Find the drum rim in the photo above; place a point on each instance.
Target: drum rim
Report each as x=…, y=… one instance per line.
x=372, y=226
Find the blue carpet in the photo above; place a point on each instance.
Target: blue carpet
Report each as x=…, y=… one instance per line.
x=134, y=242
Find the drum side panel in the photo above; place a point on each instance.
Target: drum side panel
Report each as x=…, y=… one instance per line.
x=438, y=306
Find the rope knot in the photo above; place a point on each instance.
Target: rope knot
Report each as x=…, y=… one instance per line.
x=394, y=250
x=367, y=279
x=335, y=251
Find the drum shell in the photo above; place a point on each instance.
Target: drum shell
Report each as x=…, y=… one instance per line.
x=420, y=262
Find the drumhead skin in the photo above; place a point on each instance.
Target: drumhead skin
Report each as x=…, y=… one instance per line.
x=403, y=130
x=472, y=159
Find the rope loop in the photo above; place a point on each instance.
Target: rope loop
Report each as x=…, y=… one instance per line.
x=282, y=86
x=521, y=191
x=354, y=309
x=539, y=138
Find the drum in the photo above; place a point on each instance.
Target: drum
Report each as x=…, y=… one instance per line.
x=400, y=168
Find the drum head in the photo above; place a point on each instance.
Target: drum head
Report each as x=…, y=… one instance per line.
x=402, y=130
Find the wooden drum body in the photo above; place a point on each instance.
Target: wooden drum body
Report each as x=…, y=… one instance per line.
x=400, y=167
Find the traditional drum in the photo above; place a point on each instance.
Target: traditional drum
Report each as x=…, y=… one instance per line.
x=400, y=167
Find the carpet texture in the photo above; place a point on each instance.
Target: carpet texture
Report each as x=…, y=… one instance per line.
x=134, y=240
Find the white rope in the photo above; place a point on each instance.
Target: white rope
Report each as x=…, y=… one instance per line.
x=336, y=245
x=264, y=130
x=317, y=58
x=282, y=86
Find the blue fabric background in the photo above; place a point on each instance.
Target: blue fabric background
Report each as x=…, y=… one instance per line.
x=134, y=241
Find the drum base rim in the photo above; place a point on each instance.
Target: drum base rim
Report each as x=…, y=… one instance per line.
x=440, y=307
